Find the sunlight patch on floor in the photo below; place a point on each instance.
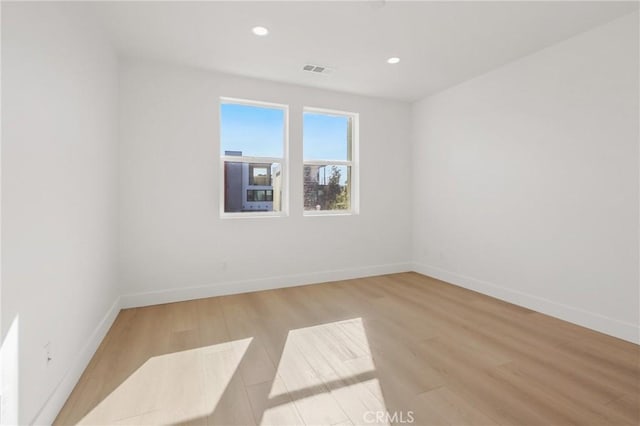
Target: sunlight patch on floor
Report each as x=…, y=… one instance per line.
x=172, y=388
x=327, y=375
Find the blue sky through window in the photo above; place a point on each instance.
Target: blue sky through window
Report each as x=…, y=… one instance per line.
x=259, y=132
x=256, y=131
x=325, y=137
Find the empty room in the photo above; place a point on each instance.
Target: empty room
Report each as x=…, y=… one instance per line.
x=320, y=213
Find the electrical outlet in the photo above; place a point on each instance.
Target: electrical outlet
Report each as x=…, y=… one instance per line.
x=47, y=351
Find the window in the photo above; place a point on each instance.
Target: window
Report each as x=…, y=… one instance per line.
x=330, y=175
x=259, y=195
x=253, y=138
x=260, y=174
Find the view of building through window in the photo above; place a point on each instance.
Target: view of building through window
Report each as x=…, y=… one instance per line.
x=251, y=187
x=252, y=145
x=328, y=153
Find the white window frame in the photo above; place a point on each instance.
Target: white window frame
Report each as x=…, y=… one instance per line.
x=284, y=161
x=354, y=205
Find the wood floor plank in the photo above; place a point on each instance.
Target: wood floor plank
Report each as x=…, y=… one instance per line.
x=451, y=408
x=352, y=384
x=570, y=397
x=311, y=397
x=627, y=406
x=272, y=405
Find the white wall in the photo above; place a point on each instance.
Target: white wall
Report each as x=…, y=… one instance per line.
x=526, y=181
x=171, y=235
x=59, y=81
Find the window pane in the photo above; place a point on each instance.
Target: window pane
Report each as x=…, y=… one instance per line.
x=260, y=174
x=327, y=137
x=244, y=193
x=327, y=187
x=251, y=130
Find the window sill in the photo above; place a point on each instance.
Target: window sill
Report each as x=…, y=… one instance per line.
x=323, y=213
x=252, y=215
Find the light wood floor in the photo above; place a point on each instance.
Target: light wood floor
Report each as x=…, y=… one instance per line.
x=338, y=353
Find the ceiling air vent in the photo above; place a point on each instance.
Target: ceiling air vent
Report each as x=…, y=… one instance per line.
x=317, y=69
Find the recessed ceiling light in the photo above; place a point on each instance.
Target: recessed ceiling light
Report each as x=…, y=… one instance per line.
x=393, y=60
x=260, y=31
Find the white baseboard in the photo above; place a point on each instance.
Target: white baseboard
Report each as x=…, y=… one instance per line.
x=54, y=404
x=613, y=327
x=235, y=287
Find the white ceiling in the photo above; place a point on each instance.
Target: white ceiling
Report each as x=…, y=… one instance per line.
x=440, y=43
